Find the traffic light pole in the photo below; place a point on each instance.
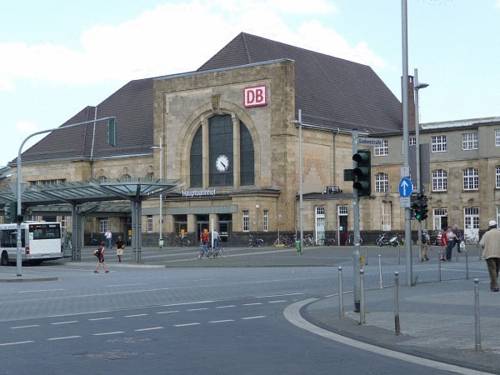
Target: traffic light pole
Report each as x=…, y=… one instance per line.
x=356, y=260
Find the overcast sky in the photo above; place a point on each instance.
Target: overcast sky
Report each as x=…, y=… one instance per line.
x=57, y=57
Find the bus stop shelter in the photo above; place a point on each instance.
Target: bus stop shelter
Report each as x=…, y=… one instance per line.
x=79, y=194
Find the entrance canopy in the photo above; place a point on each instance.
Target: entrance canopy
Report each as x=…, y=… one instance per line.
x=80, y=196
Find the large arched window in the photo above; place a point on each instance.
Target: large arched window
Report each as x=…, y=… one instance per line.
x=221, y=155
x=196, y=177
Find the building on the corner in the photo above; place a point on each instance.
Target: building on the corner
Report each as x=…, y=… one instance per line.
x=229, y=135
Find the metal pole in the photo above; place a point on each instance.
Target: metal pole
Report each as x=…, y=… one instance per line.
x=477, y=323
x=161, y=194
x=362, y=310
x=355, y=250
x=380, y=279
x=408, y=245
x=341, y=295
x=399, y=254
x=417, y=155
x=466, y=264
x=439, y=269
x=301, y=178
x=397, y=324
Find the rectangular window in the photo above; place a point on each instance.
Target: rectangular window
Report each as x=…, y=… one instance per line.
x=497, y=175
x=383, y=149
x=471, y=179
x=470, y=141
x=246, y=221
x=103, y=224
x=266, y=220
x=439, y=143
x=439, y=180
x=497, y=137
x=149, y=224
x=412, y=140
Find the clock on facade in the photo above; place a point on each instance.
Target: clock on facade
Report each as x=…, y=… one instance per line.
x=222, y=163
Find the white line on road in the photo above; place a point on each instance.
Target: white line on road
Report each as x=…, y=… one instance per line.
x=29, y=326
x=168, y=312
x=282, y=295
x=16, y=343
x=253, y=317
x=66, y=322
x=252, y=304
x=148, y=329
x=292, y=314
x=188, y=303
x=108, y=333
x=277, y=301
x=135, y=315
x=198, y=309
x=221, y=321
x=186, y=324
x=63, y=338
x=103, y=318
x=225, y=307
x=40, y=290
x=122, y=285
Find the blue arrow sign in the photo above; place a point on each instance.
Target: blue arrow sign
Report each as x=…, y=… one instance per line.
x=405, y=187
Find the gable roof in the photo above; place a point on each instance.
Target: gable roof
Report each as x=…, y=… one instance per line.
x=132, y=105
x=330, y=91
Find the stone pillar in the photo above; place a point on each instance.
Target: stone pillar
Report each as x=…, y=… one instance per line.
x=205, y=155
x=236, y=151
x=215, y=219
x=191, y=219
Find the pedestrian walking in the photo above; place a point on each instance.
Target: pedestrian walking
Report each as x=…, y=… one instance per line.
x=120, y=247
x=109, y=237
x=216, y=238
x=451, y=242
x=491, y=253
x=459, y=237
x=204, y=242
x=444, y=243
x=425, y=246
x=99, y=253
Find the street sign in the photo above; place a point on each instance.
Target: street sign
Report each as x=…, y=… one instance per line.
x=405, y=202
x=370, y=141
x=405, y=187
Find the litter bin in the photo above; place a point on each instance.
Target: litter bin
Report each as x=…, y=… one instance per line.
x=298, y=247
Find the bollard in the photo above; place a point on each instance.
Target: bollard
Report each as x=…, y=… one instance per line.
x=439, y=269
x=341, y=295
x=466, y=264
x=477, y=323
x=362, y=319
x=380, y=279
x=397, y=326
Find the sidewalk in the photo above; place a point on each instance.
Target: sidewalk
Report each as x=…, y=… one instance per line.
x=437, y=321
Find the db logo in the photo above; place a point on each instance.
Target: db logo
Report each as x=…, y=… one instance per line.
x=255, y=96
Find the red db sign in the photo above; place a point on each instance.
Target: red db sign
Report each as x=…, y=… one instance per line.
x=255, y=96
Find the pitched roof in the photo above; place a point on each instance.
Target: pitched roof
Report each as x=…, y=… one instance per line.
x=330, y=91
x=133, y=107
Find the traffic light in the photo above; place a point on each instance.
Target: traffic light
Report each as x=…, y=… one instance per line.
x=419, y=207
x=10, y=212
x=361, y=175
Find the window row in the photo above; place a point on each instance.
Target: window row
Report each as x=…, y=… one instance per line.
x=245, y=222
x=440, y=180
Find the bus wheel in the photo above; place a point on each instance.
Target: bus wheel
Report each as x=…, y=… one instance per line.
x=5, y=259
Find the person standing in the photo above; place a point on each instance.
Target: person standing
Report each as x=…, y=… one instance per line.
x=109, y=238
x=120, y=247
x=99, y=253
x=451, y=238
x=205, y=240
x=425, y=246
x=491, y=253
x=459, y=237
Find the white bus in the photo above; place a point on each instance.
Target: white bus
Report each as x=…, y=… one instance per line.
x=40, y=241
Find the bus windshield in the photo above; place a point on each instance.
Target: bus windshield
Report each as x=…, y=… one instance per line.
x=44, y=231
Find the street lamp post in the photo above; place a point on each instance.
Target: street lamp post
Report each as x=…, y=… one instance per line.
x=160, y=147
x=111, y=139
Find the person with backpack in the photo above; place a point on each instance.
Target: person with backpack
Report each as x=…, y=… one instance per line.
x=99, y=253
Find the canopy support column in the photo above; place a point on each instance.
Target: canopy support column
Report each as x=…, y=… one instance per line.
x=137, y=229
x=76, y=233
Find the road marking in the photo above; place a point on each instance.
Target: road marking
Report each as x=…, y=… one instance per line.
x=40, y=290
x=198, y=309
x=282, y=295
x=168, y=312
x=277, y=301
x=80, y=313
x=292, y=314
x=66, y=322
x=122, y=285
x=103, y=318
x=16, y=343
x=188, y=303
x=186, y=324
x=221, y=321
x=225, y=306
x=108, y=333
x=22, y=327
x=252, y=304
x=63, y=338
x=135, y=315
x=148, y=329
x=253, y=317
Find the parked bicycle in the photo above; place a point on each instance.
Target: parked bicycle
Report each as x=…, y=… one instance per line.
x=254, y=241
